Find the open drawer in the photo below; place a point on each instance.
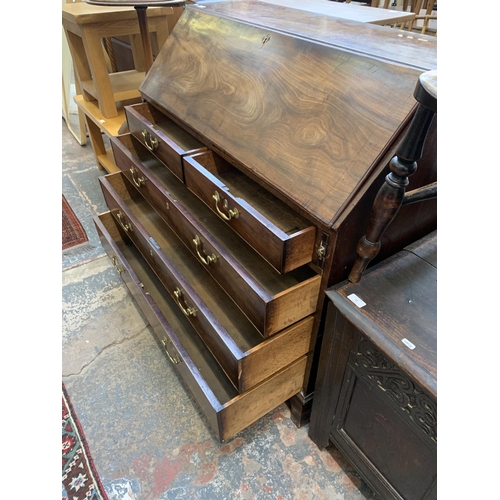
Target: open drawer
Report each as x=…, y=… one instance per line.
x=274, y=230
x=246, y=358
x=161, y=136
x=271, y=301
x=227, y=411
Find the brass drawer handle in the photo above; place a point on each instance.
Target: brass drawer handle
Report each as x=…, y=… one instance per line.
x=114, y=260
x=125, y=225
x=188, y=311
x=153, y=140
x=175, y=359
x=206, y=259
x=138, y=182
x=232, y=213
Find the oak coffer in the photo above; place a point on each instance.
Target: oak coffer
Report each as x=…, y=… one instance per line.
x=245, y=178
x=376, y=393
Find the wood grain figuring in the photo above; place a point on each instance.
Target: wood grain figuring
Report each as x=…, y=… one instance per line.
x=311, y=119
x=277, y=352
x=313, y=127
x=391, y=45
x=299, y=250
x=251, y=283
x=255, y=403
x=302, y=297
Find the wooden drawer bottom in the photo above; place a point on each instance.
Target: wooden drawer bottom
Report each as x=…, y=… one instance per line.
x=227, y=411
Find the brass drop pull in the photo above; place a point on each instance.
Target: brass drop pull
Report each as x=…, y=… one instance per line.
x=188, y=311
x=231, y=213
x=125, y=225
x=206, y=259
x=153, y=141
x=114, y=260
x=138, y=182
x=175, y=359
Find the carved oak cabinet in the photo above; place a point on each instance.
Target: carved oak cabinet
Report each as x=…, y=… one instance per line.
x=262, y=139
x=376, y=393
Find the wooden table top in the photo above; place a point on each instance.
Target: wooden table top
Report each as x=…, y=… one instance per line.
x=138, y=3
x=85, y=13
x=351, y=12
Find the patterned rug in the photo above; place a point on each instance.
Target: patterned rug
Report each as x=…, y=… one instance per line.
x=73, y=233
x=80, y=480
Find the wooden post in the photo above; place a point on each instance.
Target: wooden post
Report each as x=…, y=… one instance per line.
x=144, y=29
x=390, y=196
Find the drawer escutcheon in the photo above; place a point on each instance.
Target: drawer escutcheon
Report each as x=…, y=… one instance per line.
x=188, y=311
x=231, y=212
x=206, y=259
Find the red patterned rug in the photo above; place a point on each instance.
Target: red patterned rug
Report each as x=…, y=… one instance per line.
x=80, y=480
x=72, y=231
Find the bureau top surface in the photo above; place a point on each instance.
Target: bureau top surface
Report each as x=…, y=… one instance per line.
x=304, y=102
x=334, y=23
x=354, y=12
x=400, y=311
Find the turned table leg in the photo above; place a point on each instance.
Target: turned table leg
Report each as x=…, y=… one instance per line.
x=390, y=197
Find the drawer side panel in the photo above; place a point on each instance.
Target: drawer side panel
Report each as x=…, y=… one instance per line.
x=255, y=403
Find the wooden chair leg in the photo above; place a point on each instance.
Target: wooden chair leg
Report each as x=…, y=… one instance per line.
x=390, y=196
x=416, y=5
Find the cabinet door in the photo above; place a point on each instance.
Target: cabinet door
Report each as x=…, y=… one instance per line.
x=385, y=425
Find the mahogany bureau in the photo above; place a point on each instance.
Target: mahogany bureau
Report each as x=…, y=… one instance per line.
x=376, y=394
x=262, y=139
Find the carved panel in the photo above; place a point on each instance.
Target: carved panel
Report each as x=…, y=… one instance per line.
x=411, y=399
